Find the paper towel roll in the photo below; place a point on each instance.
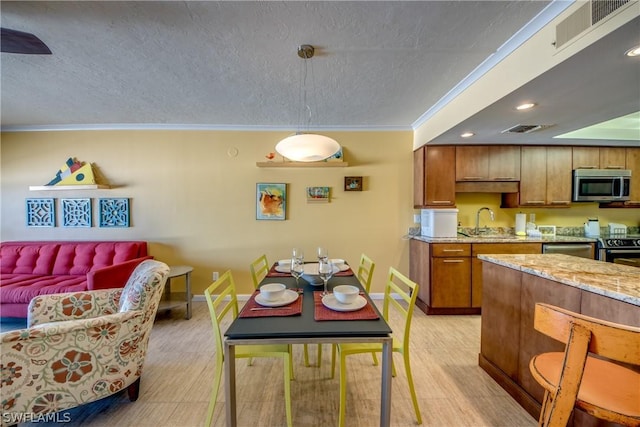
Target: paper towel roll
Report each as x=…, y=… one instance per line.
x=521, y=221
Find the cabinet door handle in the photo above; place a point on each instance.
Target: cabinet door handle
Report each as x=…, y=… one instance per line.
x=503, y=178
x=441, y=202
x=614, y=167
x=534, y=202
x=560, y=202
x=586, y=167
x=473, y=177
x=453, y=260
x=452, y=250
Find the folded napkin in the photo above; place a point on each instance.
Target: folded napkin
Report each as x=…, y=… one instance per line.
x=323, y=313
x=293, y=309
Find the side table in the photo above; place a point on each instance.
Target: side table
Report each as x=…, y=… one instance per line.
x=168, y=300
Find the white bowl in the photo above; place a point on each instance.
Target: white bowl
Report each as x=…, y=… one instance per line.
x=272, y=291
x=346, y=294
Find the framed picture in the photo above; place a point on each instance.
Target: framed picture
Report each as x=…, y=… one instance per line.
x=318, y=194
x=114, y=213
x=352, y=183
x=271, y=201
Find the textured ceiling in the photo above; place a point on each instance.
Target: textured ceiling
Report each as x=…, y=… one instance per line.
x=233, y=65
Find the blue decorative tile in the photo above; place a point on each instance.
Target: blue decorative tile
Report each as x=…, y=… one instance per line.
x=114, y=212
x=76, y=212
x=41, y=213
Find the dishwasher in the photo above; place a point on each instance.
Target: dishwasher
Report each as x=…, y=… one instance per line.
x=584, y=250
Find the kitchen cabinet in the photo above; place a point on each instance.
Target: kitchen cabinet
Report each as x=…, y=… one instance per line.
x=487, y=163
x=598, y=157
x=494, y=248
x=450, y=274
x=633, y=163
x=545, y=176
x=434, y=177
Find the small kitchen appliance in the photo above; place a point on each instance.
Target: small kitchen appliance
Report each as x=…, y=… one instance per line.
x=601, y=185
x=592, y=228
x=439, y=222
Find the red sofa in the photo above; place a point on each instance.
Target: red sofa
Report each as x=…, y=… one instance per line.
x=29, y=269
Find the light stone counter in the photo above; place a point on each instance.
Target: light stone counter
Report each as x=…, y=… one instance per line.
x=504, y=238
x=620, y=282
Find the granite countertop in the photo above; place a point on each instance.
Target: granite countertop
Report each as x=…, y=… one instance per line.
x=617, y=281
x=505, y=238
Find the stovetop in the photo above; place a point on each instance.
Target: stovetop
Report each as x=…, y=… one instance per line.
x=620, y=241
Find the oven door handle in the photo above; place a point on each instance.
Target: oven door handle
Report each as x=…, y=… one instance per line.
x=622, y=251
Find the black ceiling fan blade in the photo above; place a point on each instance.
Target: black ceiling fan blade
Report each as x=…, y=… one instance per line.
x=12, y=41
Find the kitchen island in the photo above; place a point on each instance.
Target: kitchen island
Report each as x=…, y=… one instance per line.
x=513, y=284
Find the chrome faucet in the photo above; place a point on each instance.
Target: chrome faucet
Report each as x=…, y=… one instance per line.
x=478, y=218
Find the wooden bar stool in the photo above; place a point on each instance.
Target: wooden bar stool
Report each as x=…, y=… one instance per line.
x=576, y=378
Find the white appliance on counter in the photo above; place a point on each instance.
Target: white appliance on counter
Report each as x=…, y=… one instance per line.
x=592, y=228
x=439, y=222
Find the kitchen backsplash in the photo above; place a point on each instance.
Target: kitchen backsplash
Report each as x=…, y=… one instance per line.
x=560, y=231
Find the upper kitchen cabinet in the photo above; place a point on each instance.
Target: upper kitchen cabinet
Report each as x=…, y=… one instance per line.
x=487, y=163
x=545, y=176
x=633, y=163
x=599, y=158
x=434, y=176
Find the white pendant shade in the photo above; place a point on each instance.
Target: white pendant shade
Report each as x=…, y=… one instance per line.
x=307, y=147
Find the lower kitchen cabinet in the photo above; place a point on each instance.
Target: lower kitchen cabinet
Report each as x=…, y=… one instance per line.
x=450, y=274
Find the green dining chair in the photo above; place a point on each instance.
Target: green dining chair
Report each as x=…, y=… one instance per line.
x=407, y=291
x=222, y=300
x=259, y=269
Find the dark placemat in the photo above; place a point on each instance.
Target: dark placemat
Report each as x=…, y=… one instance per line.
x=323, y=313
x=293, y=309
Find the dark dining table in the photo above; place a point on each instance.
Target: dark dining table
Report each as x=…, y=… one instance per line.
x=304, y=329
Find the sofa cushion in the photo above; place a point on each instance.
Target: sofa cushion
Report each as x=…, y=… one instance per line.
x=81, y=258
x=28, y=259
x=21, y=288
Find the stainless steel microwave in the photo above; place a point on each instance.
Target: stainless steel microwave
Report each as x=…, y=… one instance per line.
x=601, y=185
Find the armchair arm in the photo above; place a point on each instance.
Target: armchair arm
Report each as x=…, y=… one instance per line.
x=73, y=306
x=114, y=276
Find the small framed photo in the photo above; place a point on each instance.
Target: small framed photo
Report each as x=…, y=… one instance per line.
x=352, y=183
x=271, y=201
x=547, y=230
x=318, y=194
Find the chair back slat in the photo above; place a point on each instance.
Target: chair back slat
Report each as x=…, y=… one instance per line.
x=259, y=269
x=610, y=340
x=221, y=298
x=365, y=271
x=400, y=285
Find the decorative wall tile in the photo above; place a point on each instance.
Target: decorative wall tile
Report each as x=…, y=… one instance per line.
x=41, y=213
x=76, y=212
x=114, y=213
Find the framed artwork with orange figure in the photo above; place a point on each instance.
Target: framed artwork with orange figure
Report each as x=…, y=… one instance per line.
x=271, y=201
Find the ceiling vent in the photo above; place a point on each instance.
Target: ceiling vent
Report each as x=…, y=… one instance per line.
x=525, y=128
x=589, y=14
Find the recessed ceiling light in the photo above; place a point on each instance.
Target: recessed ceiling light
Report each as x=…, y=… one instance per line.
x=525, y=106
x=634, y=51
x=467, y=134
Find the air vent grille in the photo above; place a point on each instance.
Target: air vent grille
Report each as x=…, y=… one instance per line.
x=585, y=16
x=602, y=8
x=525, y=128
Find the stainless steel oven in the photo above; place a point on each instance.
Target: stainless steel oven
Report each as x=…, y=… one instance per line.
x=614, y=248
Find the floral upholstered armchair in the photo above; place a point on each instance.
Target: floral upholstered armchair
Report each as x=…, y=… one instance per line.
x=79, y=347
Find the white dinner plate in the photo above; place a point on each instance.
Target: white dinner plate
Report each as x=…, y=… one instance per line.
x=288, y=297
x=341, y=267
x=285, y=268
x=331, y=302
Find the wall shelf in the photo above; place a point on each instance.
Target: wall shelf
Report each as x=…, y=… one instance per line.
x=302, y=164
x=68, y=187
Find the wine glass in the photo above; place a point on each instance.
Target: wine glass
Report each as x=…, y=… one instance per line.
x=297, y=268
x=323, y=253
x=298, y=253
x=325, y=271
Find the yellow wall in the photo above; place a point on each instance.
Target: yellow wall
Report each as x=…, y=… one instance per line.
x=575, y=216
x=195, y=202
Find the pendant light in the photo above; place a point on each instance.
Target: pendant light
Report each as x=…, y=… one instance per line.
x=307, y=147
